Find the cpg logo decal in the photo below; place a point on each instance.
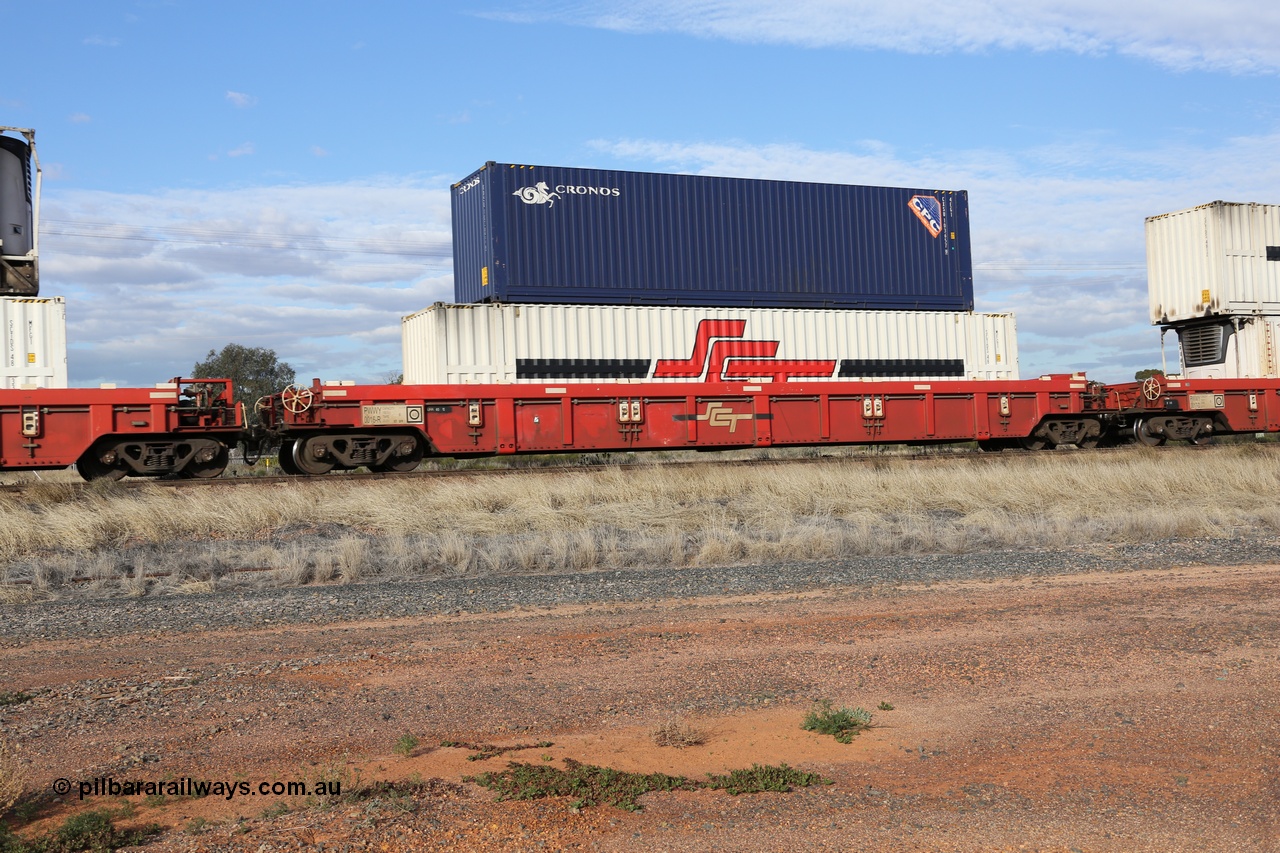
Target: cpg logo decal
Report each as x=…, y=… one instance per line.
x=538, y=194
x=928, y=210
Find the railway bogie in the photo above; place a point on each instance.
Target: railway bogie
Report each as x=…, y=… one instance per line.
x=115, y=457
x=184, y=427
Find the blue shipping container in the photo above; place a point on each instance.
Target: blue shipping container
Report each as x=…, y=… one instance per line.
x=586, y=236
x=565, y=235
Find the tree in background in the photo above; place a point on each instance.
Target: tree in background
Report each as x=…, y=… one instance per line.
x=1149, y=372
x=255, y=371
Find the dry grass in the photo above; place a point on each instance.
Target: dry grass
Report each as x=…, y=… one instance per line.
x=151, y=540
x=678, y=734
x=13, y=782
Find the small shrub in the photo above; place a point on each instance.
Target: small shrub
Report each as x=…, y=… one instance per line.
x=13, y=782
x=590, y=785
x=352, y=558
x=14, y=697
x=843, y=724
x=406, y=745
x=275, y=810
x=678, y=734
x=337, y=777
x=324, y=567
x=25, y=812
x=92, y=830
x=400, y=797
x=885, y=706
x=485, y=751
x=763, y=777
x=135, y=585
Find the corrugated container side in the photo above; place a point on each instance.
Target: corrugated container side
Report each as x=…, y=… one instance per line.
x=1238, y=348
x=564, y=235
x=34, y=342
x=1218, y=259
x=448, y=344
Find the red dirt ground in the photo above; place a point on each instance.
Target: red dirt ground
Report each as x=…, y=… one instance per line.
x=1106, y=712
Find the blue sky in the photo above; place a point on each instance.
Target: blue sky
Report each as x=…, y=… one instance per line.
x=277, y=174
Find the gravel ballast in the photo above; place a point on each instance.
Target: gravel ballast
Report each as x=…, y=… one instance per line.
x=78, y=615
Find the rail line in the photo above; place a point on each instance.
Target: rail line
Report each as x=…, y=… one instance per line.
x=629, y=463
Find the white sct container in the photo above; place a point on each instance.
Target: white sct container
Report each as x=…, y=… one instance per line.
x=1218, y=259
x=448, y=344
x=34, y=331
x=1230, y=348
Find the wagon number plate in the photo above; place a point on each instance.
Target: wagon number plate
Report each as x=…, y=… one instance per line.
x=1197, y=402
x=387, y=415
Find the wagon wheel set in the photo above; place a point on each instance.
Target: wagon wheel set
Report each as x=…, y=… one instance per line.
x=116, y=458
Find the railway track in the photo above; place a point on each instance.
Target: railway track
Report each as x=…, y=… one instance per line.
x=915, y=457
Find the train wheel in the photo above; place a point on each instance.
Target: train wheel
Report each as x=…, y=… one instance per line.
x=1143, y=435
x=286, y=458
x=92, y=468
x=207, y=469
x=1030, y=442
x=305, y=460
x=1089, y=443
x=407, y=456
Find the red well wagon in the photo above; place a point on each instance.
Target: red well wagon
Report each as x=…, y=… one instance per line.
x=186, y=427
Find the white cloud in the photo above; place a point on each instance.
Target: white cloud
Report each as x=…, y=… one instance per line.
x=79, y=118
x=102, y=41
x=241, y=100
x=1231, y=35
x=318, y=273
x=242, y=150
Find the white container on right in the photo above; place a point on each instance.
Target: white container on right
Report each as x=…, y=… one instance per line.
x=1220, y=259
x=33, y=342
x=1241, y=347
